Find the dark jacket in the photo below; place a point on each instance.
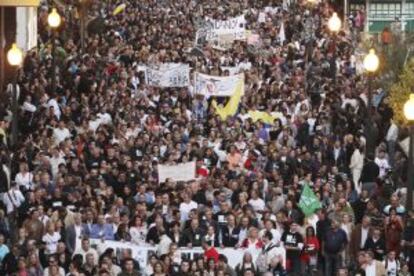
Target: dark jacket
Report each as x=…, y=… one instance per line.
x=335, y=241
x=373, y=246
x=192, y=236
x=71, y=236
x=230, y=238
x=370, y=172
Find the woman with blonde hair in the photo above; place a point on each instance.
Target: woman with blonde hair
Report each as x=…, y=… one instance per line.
x=51, y=237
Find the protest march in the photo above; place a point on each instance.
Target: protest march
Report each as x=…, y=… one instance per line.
x=209, y=138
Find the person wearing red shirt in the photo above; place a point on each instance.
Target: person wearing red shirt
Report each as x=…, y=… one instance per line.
x=210, y=252
x=309, y=255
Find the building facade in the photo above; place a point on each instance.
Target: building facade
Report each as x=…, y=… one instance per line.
x=383, y=13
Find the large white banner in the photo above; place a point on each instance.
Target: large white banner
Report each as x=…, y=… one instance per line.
x=179, y=172
x=222, y=33
x=141, y=253
x=168, y=75
x=217, y=86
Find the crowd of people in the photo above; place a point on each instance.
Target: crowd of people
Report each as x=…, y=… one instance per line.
x=85, y=164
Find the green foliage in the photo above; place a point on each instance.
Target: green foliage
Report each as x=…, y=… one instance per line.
x=400, y=91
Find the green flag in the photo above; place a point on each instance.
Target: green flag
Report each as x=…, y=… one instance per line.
x=309, y=203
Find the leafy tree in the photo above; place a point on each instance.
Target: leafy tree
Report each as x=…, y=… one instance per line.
x=400, y=91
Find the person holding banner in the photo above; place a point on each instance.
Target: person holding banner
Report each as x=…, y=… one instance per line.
x=188, y=120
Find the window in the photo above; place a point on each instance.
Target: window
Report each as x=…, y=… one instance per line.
x=356, y=7
x=409, y=8
x=385, y=10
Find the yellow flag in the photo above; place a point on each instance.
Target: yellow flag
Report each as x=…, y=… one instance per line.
x=263, y=116
x=119, y=9
x=231, y=107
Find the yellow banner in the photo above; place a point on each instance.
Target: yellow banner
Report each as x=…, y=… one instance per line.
x=20, y=3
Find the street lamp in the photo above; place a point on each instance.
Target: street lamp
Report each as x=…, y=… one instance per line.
x=15, y=59
x=82, y=10
x=409, y=115
x=371, y=64
x=334, y=25
x=309, y=30
x=54, y=20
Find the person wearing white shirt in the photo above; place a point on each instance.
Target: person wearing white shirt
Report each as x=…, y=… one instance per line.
x=186, y=206
x=86, y=249
x=56, y=109
x=373, y=267
x=370, y=269
x=56, y=160
x=269, y=227
x=391, y=138
x=53, y=269
x=24, y=178
x=61, y=133
x=13, y=198
x=356, y=166
x=392, y=266
x=256, y=202
x=382, y=163
x=163, y=246
x=139, y=231
x=51, y=238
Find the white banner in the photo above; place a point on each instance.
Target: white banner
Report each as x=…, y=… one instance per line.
x=141, y=253
x=179, y=172
x=217, y=86
x=222, y=33
x=168, y=75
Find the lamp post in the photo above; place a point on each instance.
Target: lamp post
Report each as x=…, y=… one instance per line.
x=334, y=25
x=82, y=17
x=15, y=58
x=371, y=64
x=309, y=29
x=409, y=115
x=53, y=20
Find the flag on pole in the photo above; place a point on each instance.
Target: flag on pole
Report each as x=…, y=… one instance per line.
x=282, y=36
x=231, y=107
x=309, y=202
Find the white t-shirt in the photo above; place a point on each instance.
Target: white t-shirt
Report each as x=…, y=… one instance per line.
x=51, y=241
x=24, y=180
x=61, y=134
x=364, y=236
x=383, y=166
x=78, y=240
x=54, y=103
x=55, y=162
x=13, y=198
x=391, y=268
x=257, y=204
x=276, y=235
x=370, y=270
x=185, y=209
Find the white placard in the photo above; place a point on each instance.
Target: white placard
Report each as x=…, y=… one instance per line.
x=222, y=33
x=179, y=172
x=141, y=253
x=217, y=86
x=168, y=75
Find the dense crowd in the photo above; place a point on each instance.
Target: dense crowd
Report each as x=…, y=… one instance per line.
x=85, y=165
